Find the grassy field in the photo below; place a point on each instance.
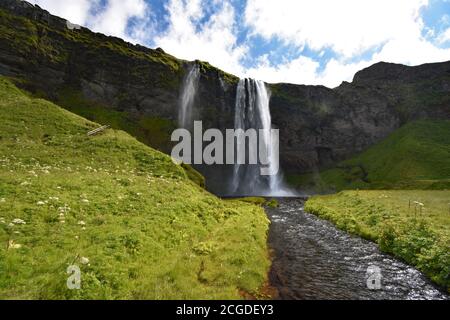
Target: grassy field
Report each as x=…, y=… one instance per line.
x=130, y=218
x=419, y=235
x=415, y=156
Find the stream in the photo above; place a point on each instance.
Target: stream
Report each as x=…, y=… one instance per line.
x=312, y=259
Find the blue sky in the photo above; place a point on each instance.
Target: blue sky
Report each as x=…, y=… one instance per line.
x=299, y=41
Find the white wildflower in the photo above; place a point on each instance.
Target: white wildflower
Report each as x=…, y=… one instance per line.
x=13, y=245
x=84, y=260
x=2, y=200
x=40, y=203
x=81, y=223
x=18, y=221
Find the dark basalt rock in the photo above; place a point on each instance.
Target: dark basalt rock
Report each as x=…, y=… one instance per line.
x=318, y=126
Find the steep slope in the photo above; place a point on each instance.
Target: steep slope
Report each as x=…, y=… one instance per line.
x=415, y=156
x=124, y=213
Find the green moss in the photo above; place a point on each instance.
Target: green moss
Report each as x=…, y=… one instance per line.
x=272, y=203
x=148, y=231
x=413, y=157
x=35, y=37
x=18, y=32
x=156, y=132
x=255, y=200
x=153, y=131
x=194, y=175
x=206, y=68
x=74, y=101
x=418, y=235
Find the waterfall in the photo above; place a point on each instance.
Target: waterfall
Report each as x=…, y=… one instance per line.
x=252, y=112
x=187, y=97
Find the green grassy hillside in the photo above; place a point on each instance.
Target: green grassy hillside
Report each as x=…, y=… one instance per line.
x=416, y=233
x=130, y=218
x=417, y=156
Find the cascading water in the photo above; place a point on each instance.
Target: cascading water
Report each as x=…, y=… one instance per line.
x=253, y=112
x=187, y=97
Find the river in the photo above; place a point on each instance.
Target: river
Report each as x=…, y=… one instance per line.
x=312, y=259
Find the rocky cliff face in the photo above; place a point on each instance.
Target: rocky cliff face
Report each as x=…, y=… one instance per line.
x=320, y=126
x=100, y=77
x=137, y=89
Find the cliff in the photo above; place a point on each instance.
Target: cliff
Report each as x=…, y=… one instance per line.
x=137, y=89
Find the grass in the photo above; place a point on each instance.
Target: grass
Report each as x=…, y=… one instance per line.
x=415, y=156
x=260, y=201
x=147, y=230
x=152, y=131
x=421, y=237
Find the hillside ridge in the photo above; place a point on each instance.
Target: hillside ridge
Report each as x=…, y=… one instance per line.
x=122, y=212
x=137, y=90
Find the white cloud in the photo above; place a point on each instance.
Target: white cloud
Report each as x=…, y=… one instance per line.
x=305, y=70
x=76, y=11
x=444, y=36
x=112, y=19
x=291, y=71
x=215, y=41
x=349, y=27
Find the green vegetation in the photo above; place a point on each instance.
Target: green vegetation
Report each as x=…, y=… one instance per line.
x=155, y=132
x=74, y=101
x=424, y=93
x=30, y=36
x=152, y=131
x=420, y=235
x=260, y=201
x=206, y=67
x=273, y=203
x=194, y=175
x=414, y=157
x=130, y=218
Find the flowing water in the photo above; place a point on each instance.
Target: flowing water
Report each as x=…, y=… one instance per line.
x=187, y=97
x=252, y=112
x=315, y=260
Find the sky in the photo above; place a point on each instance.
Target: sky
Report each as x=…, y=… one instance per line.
x=318, y=42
